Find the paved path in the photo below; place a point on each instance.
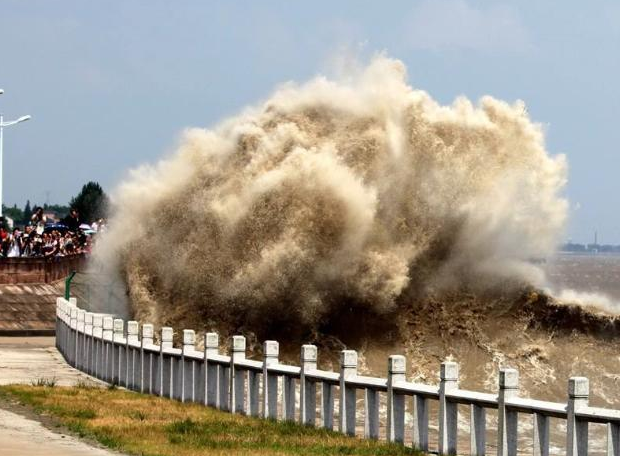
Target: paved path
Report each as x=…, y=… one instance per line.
x=26, y=359
x=21, y=436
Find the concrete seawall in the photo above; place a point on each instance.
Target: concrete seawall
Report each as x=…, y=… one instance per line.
x=28, y=291
x=39, y=270
x=28, y=309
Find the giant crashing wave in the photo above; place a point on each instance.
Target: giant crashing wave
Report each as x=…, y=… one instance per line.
x=360, y=193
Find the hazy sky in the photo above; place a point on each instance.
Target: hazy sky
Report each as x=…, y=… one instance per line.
x=112, y=84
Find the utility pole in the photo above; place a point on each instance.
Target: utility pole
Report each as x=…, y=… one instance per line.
x=2, y=125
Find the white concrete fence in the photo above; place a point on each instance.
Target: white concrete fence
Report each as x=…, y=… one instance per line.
x=108, y=349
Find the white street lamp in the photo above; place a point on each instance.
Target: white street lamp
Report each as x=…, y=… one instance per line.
x=2, y=125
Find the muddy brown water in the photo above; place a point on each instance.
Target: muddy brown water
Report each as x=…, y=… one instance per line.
x=586, y=273
x=547, y=343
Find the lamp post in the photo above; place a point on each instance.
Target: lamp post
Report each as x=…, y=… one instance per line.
x=2, y=125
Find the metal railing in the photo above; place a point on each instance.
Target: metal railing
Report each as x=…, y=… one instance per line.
x=95, y=291
x=106, y=348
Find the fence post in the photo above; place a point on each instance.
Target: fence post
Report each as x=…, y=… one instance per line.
x=66, y=316
x=613, y=439
x=253, y=393
x=211, y=342
x=237, y=380
x=577, y=430
x=65, y=323
x=108, y=336
x=146, y=365
x=477, y=431
x=97, y=345
x=58, y=325
x=348, y=369
x=271, y=350
x=117, y=351
x=88, y=341
x=223, y=385
x=66, y=331
x=307, y=388
x=57, y=330
x=62, y=325
x=541, y=434
x=187, y=366
x=371, y=415
x=327, y=405
x=288, y=398
x=73, y=336
x=395, y=401
x=133, y=338
x=165, y=363
x=507, y=419
x=79, y=339
x=420, y=423
x=448, y=411
x=69, y=331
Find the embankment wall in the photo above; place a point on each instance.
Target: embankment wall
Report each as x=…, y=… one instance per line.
x=39, y=270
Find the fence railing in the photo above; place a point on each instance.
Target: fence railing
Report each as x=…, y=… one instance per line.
x=106, y=348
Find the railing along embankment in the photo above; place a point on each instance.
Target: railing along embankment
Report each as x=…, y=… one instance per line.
x=120, y=353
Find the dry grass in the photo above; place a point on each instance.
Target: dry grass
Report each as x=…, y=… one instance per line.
x=150, y=426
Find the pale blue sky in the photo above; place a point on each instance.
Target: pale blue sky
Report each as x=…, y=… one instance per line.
x=112, y=84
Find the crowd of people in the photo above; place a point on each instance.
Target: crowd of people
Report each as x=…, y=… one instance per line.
x=41, y=238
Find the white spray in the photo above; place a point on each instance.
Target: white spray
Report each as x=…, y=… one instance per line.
x=332, y=193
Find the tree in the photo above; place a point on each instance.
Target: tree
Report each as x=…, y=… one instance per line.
x=13, y=212
x=27, y=211
x=91, y=203
x=61, y=210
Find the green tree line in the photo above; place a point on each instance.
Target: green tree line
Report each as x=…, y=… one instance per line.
x=91, y=203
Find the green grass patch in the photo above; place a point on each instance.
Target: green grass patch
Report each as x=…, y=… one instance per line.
x=151, y=426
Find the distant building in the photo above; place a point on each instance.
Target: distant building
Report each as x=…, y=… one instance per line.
x=590, y=248
x=52, y=216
